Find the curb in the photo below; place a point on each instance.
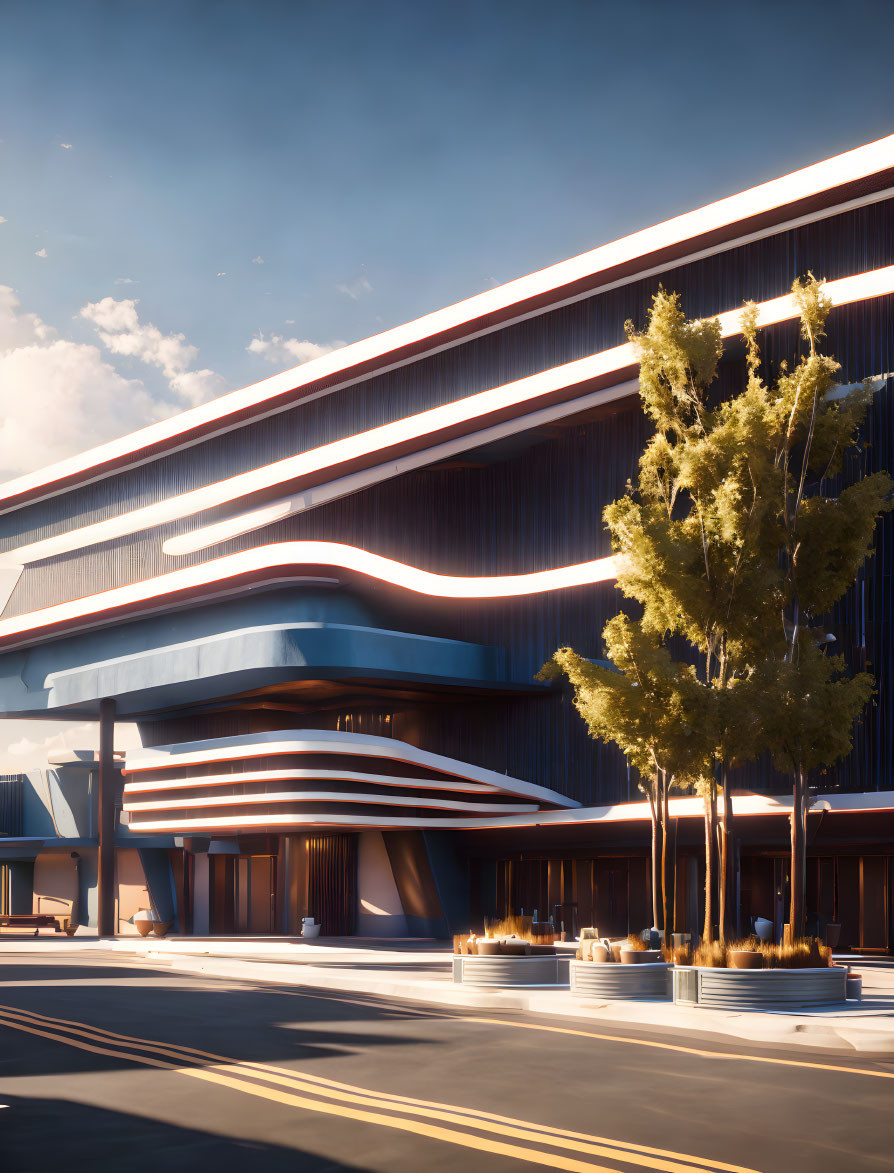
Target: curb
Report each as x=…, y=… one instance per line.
x=750, y=1027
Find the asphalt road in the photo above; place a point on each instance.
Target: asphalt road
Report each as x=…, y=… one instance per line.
x=112, y=1065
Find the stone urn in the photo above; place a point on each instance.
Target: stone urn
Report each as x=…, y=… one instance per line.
x=746, y=959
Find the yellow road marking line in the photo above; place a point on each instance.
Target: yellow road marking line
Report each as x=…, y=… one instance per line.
x=587, y=1034
x=507, y=1126
x=533, y=1156
x=678, y=1047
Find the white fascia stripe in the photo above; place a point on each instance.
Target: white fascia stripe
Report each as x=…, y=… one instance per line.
x=424, y=427
x=367, y=799
x=276, y=563
x=319, y=741
x=629, y=812
x=300, y=775
x=849, y=167
x=318, y=495
x=238, y=823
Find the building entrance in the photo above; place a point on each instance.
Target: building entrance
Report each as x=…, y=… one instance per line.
x=243, y=895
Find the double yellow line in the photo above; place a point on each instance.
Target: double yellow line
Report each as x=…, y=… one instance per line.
x=470, y=1128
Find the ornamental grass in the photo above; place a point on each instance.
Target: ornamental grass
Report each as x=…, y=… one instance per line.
x=806, y=953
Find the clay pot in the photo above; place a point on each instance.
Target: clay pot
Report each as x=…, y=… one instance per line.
x=515, y=948
x=745, y=959
x=160, y=927
x=600, y=953
x=143, y=927
x=489, y=948
x=616, y=947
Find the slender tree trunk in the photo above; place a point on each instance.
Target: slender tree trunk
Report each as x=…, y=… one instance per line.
x=708, y=934
x=654, y=815
x=725, y=866
x=799, y=855
x=722, y=862
x=665, y=924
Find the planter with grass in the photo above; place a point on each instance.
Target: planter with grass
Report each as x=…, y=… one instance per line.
x=501, y=970
x=752, y=975
x=507, y=962
x=646, y=980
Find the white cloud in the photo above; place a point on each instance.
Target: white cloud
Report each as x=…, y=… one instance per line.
x=2, y=219
x=277, y=349
x=17, y=328
x=125, y=281
x=121, y=331
x=65, y=146
x=257, y=260
x=355, y=289
x=198, y=386
x=221, y=274
x=41, y=252
x=58, y=397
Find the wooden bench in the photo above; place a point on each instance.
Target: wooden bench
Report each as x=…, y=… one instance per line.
x=37, y=921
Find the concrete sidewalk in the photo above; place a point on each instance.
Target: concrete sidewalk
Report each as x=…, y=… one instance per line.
x=419, y=971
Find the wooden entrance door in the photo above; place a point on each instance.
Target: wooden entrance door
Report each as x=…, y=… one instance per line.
x=255, y=894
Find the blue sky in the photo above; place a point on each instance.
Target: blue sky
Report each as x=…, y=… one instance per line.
x=382, y=159
x=350, y=164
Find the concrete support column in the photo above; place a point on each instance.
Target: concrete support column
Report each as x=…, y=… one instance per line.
x=106, y=819
x=201, y=895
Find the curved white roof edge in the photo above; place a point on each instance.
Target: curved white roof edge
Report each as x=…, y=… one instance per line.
x=745, y=805
x=849, y=167
x=465, y=786
x=287, y=741
x=278, y=562
x=365, y=798
x=425, y=427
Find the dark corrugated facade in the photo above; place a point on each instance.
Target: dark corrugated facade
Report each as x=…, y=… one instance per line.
x=532, y=503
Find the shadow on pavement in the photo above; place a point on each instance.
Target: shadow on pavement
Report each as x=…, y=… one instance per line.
x=253, y=1023
x=50, y=1135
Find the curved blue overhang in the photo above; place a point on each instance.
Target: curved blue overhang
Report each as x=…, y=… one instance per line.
x=238, y=646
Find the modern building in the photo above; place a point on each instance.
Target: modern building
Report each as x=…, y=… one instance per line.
x=324, y=599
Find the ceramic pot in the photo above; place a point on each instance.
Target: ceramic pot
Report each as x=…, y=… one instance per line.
x=160, y=927
x=143, y=927
x=763, y=928
x=639, y=956
x=600, y=953
x=515, y=948
x=489, y=948
x=616, y=947
x=745, y=959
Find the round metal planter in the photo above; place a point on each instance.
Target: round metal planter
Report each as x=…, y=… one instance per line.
x=646, y=980
x=505, y=971
x=760, y=989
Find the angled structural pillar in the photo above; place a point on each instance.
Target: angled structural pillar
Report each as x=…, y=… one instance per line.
x=106, y=819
